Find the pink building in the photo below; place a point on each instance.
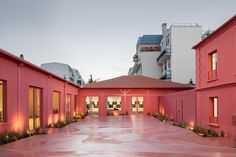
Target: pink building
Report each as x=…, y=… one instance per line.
x=216, y=79
x=131, y=94
x=31, y=97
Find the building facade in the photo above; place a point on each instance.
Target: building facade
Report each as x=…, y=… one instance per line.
x=216, y=79
x=32, y=98
x=126, y=94
x=64, y=71
x=171, y=56
x=147, y=50
x=177, y=58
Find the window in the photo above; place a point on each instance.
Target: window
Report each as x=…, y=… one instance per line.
x=213, y=108
x=114, y=103
x=75, y=104
x=2, y=102
x=92, y=103
x=55, y=102
x=68, y=106
x=212, y=66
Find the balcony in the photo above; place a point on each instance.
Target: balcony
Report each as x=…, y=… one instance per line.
x=135, y=58
x=213, y=120
x=165, y=54
x=212, y=75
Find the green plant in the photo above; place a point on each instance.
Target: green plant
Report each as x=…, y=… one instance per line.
x=161, y=117
x=235, y=142
x=212, y=133
x=80, y=115
x=14, y=136
x=222, y=133
x=4, y=137
x=182, y=124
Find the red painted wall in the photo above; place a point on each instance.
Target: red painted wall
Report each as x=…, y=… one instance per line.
x=19, y=77
x=150, y=98
x=226, y=108
x=180, y=106
x=224, y=87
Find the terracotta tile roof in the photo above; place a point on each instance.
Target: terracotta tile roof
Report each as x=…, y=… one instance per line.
x=136, y=82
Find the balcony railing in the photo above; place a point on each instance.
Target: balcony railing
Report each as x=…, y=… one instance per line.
x=212, y=75
x=135, y=58
x=213, y=119
x=166, y=51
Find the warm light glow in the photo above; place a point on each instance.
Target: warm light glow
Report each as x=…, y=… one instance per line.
x=190, y=126
x=115, y=113
x=162, y=110
x=50, y=120
x=18, y=124
x=62, y=117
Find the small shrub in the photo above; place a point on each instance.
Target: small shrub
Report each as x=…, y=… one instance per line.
x=14, y=136
x=212, y=133
x=161, y=117
x=235, y=142
x=148, y=114
x=5, y=137
x=182, y=125
x=80, y=115
x=222, y=133
x=25, y=134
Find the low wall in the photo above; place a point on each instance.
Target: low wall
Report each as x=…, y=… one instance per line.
x=180, y=106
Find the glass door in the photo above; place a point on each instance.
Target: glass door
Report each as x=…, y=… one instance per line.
x=92, y=105
x=137, y=104
x=68, y=103
x=34, y=108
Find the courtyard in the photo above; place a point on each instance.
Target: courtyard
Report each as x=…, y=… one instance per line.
x=135, y=135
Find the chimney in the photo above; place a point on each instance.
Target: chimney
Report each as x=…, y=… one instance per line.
x=164, y=28
x=21, y=56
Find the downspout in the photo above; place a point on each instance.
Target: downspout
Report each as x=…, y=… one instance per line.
x=19, y=66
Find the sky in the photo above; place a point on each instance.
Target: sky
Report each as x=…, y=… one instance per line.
x=97, y=37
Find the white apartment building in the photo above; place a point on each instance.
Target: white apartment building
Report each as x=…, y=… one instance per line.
x=147, y=50
x=64, y=71
x=177, y=57
x=173, y=59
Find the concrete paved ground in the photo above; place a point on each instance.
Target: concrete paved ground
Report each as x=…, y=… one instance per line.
x=119, y=137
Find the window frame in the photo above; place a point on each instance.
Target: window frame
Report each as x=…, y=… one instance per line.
x=53, y=111
x=212, y=118
x=212, y=72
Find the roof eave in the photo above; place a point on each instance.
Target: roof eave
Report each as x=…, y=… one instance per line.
x=216, y=32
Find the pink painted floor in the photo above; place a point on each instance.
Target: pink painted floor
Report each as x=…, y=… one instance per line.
x=139, y=136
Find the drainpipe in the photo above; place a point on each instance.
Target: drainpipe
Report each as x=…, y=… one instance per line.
x=20, y=65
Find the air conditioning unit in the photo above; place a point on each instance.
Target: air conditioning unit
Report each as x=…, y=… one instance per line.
x=234, y=119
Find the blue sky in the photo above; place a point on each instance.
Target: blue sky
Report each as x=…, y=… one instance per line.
x=96, y=36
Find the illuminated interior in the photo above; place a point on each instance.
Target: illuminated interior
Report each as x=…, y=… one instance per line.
x=68, y=103
x=92, y=104
x=34, y=108
x=137, y=104
x=1, y=102
x=55, y=102
x=55, y=106
x=114, y=103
